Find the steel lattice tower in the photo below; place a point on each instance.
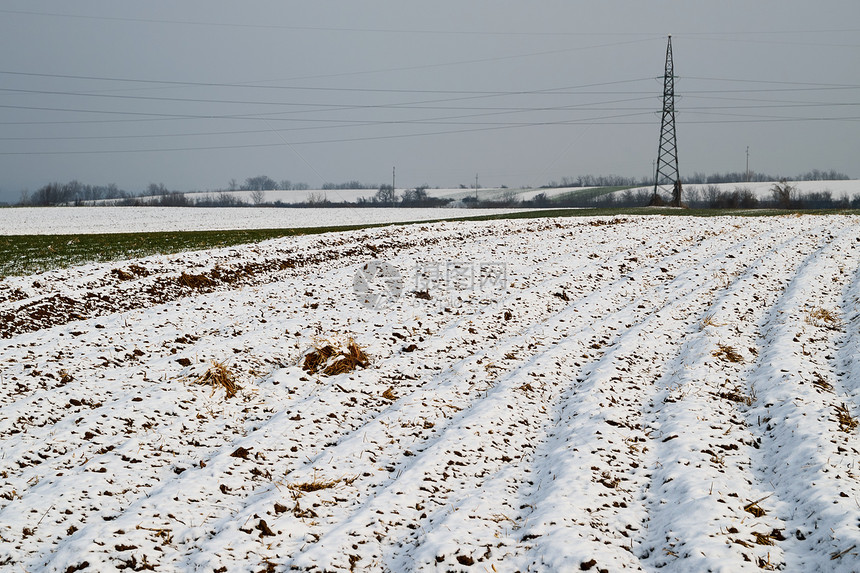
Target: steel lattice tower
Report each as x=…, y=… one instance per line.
x=666, y=177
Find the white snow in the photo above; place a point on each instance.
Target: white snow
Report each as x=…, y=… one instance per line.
x=640, y=393
x=94, y=220
x=356, y=195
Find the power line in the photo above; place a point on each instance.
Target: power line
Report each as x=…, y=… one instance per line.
x=259, y=85
x=494, y=111
x=284, y=143
x=414, y=105
x=482, y=95
x=444, y=120
x=777, y=82
x=782, y=42
x=595, y=121
x=463, y=62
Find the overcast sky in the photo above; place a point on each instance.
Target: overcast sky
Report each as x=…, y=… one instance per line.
x=195, y=93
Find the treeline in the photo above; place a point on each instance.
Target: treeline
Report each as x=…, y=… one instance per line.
x=781, y=195
x=386, y=196
x=753, y=177
x=71, y=192
x=77, y=193
x=266, y=183
x=596, y=181
x=695, y=178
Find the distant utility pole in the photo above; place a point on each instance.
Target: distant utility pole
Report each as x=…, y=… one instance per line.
x=476, y=186
x=393, y=171
x=666, y=174
x=748, y=163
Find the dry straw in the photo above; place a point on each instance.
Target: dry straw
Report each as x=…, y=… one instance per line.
x=329, y=361
x=728, y=353
x=219, y=376
x=824, y=318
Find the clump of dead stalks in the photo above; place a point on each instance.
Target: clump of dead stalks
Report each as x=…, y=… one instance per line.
x=317, y=484
x=754, y=508
x=821, y=383
x=823, y=318
x=219, y=376
x=727, y=353
x=328, y=360
x=709, y=320
x=196, y=282
x=734, y=394
x=847, y=422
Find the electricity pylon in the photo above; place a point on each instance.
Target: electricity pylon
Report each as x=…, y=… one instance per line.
x=666, y=176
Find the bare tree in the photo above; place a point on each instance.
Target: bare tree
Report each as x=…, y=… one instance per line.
x=386, y=195
x=154, y=189
x=414, y=196
x=260, y=182
x=509, y=197
x=317, y=198
x=258, y=196
x=784, y=193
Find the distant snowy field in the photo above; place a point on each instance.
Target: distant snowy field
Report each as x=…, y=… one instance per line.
x=762, y=190
x=91, y=220
x=354, y=195
x=637, y=393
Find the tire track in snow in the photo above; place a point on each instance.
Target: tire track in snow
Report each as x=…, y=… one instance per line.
x=190, y=474
x=475, y=359
x=600, y=471
x=210, y=529
x=430, y=552
x=102, y=444
x=599, y=301
x=706, y=526
x=802, y=459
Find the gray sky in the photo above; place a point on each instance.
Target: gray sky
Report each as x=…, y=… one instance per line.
x=195, y=93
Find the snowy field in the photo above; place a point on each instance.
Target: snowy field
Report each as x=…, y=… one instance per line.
x=93, y=220
x=761, y=190
x=597, y=394
x=355, y=195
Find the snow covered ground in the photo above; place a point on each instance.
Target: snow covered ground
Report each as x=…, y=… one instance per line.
x=90, y=220
x=354, y=195
x=599, y=394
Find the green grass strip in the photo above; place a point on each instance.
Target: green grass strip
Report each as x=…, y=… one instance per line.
x=29, y=254
x=22, y=255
